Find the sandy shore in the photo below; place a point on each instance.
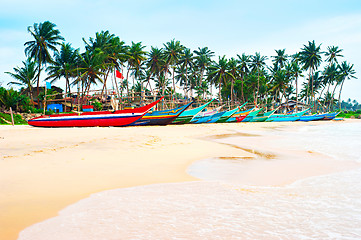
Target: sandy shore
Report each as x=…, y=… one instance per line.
x=44, y=170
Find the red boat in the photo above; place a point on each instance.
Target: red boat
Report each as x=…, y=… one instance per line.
x=93, y=119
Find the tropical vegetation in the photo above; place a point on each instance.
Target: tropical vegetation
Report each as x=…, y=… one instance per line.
x=314, y=75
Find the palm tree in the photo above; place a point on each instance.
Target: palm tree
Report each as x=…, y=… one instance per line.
x=332, y=53
x=244, y=62
x=114, y=49
x=347, y=72
x=90, y=66
x=136, y=56
x=173, y=51
x=25, y=75
x=296, y=73
x=257, y=63
x=311, y=58
x=155, y=63
x=64, y=65
x=219, y=73
x=186, y=62
x=280, y=59
x=202, y=61
x=46, y=39
x=234, y=70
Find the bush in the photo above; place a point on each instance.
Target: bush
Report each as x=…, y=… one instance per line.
x=18, y=119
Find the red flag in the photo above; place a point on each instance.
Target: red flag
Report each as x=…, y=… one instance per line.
x=119, y=74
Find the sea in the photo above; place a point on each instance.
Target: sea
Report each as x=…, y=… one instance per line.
x=317, y=207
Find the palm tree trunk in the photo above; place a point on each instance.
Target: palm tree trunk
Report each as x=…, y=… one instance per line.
x=339, y=95
x=242, y=89
x=38, y=83
x=257, y=87
x=331, y=102
x=296, y=94
x=127, y=83
x=220, y=85
x=232, y=92
x=105, y=84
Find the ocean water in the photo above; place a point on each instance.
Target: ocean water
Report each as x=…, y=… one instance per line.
x=319, y=207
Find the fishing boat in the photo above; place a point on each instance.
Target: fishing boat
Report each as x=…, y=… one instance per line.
x=187, y=115
x=307, y=118
x=240, y=115
x=286, y=117
x=205, y=117
x=330, y=116
x=251, y=115
x=160, y=117
x=261, y=117
x=93, y=119
x=226, y=115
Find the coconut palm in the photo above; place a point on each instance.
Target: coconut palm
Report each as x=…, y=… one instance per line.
x=91, y=66
x=46, y=39
x=296, y=73
x=186, y=61
x=244, y=63
x=234, y=70
x=202, y=61
x=173, y=51
x=219, y=72
x=64, y=65
x=347, y=72
x=257, y=63
x=136, y=56
x=25, y=76
x=280, y=59
x=310, y=57
x=155, y=63
x=332, y=53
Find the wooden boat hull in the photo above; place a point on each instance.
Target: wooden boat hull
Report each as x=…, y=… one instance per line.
x=251, y=115
x=259, y=119
x=187, y=115
x=310, y=118
x=92, y=119
x=160, y=117
x=283, y=119
x=240, y=116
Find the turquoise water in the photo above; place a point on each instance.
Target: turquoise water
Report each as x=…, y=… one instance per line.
x=320, y=207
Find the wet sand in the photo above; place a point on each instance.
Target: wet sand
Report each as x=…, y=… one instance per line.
x=44, y=170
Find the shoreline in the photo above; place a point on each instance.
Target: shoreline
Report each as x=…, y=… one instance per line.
x=46, y=170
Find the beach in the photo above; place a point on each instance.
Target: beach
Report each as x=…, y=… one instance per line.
x=44, y=170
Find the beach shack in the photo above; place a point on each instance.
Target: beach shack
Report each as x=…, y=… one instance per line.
x=55, y=107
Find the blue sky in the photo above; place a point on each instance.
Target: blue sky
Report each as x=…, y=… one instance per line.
x=226, y=27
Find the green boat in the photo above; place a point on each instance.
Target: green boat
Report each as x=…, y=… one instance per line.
x=227, y=115
x=261, y=117
x=251, y=115
x=186, y=116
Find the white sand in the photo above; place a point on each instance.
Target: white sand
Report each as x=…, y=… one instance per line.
x=44, y=170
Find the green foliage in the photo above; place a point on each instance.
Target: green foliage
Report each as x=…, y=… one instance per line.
x=18, y=119
x=96, y=104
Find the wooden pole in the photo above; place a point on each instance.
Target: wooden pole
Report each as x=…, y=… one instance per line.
x=45, y=99
x=12, y=117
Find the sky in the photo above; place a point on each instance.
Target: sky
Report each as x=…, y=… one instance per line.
x=226, y=27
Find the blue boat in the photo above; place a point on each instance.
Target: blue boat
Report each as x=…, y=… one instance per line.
x=307, y=118
x=286, y=117
x=204, y=117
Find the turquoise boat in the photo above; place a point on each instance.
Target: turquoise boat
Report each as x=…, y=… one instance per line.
x=226, y=115
x=262, y=117
x=307, y=118
x=251, y=115
x=286, y=117
x=205, y=117
x=186, y=116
